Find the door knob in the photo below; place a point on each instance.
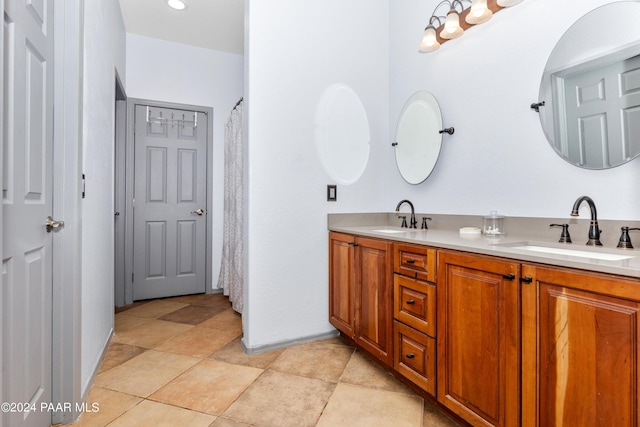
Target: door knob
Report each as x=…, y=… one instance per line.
x=198, y=212
x=52, y=224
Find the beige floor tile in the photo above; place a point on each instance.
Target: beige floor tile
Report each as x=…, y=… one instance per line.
x=363, y=371
x=233, y=353
x=314, y=360
x=110, y=405
x=356, y=406
x=207, y=300
x=155, y=308
x=145, y=373
x=157, y=414
x=123, y=322
x=151, y=334
x=117, y=354
x=227, y=320
x=225, y=422
x=192, y=314
x=210, y=386
x=198, y=341
x=433, y=417
x=283, y=400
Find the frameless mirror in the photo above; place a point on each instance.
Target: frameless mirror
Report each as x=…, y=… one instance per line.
x=418, y=137
x=591, y=89
x=342, y=134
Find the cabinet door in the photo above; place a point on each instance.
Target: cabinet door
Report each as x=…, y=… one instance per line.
x=581, y=337
x=478, y=338
x=374, y=309
x=342, y=282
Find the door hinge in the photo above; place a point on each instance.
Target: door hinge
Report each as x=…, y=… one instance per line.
x=133, y=201
x=83, y=185
x=131, y=277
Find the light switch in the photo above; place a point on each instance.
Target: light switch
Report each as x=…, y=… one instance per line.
x=332, y=193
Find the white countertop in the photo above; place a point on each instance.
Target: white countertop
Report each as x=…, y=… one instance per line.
x=504, y=247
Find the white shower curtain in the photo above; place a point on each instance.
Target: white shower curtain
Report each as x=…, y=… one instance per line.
x=231, y=270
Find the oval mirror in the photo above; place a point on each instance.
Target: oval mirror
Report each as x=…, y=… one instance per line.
x=342, y=134
x=418, y=137
x=591, y=89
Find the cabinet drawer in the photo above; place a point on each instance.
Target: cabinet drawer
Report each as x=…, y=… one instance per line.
x=415, y=261
x=414, y=303
x=415, y=356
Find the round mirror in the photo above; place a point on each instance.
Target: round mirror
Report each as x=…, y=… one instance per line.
x=418, y=137
x=342, y=134
x=591, y=89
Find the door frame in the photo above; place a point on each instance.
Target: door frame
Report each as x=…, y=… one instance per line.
x=119, y=191
x=67, y=204
x=129, y=185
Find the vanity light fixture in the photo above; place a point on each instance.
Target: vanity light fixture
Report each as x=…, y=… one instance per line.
x=177, y=4
x=451, y=27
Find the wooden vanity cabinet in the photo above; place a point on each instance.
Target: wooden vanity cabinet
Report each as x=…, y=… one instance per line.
x=415, y=314
x=478, y=304
x=360, y=292
x=580, y=345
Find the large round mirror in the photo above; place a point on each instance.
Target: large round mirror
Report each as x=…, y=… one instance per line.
x=418, y=137
x=591, y=89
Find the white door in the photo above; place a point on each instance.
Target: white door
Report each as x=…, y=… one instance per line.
x=602, y=108
x=27, y=202
x=170, y=202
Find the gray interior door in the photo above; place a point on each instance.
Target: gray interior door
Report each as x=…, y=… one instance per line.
x=602, y=108
x=170, y=203
x=27, y=202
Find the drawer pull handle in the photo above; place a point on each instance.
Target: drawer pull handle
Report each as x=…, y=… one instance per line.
x=526, y=279
x=354, y=244
x=509, y=276
x=410, y=356
x=411, y=302
x=411, y=261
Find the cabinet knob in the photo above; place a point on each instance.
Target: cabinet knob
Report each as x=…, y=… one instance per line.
x=411, y=302
x=410, y=356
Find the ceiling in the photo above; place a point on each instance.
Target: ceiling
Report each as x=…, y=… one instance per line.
x=211, y=24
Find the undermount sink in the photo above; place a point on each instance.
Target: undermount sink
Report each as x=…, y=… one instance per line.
x=388, y=230
x=552, y=250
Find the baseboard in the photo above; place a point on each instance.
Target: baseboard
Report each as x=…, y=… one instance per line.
x=286, y=343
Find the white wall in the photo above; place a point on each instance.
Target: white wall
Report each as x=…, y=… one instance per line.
x=173, y=72
x=295, y=49
x=485, y=81
x=104, y=53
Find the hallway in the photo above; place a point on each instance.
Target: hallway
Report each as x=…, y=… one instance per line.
x=178, y=362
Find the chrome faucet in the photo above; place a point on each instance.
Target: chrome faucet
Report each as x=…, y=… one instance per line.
x=594, y=230
x=413, y=223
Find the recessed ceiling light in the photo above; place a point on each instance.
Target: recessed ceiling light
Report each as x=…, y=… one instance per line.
x=177, y=4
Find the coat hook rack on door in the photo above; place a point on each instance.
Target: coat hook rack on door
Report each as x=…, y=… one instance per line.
x=172, y=121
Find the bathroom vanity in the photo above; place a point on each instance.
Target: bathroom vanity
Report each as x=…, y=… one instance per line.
x=513, y=331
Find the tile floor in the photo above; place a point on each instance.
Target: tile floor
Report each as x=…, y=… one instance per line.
x=178, y=362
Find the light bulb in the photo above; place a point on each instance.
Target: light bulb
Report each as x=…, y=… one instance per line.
x=508, y=3
x=452, y=27
x=479, y=12
x=177, y=4
x=429, y=40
